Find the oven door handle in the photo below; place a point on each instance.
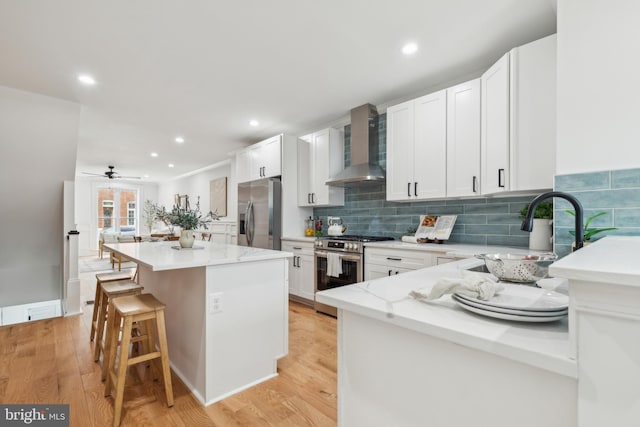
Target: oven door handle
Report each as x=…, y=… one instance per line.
x=323, y=254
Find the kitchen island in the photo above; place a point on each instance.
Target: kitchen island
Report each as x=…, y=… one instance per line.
x=226, y=311
x=410, y=363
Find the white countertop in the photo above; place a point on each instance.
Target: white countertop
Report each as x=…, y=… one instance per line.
x=460, y=250
x=160, y=255
x=612, y=259
x=544, y=345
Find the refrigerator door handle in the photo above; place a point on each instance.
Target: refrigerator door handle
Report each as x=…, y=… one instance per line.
x=249, y=226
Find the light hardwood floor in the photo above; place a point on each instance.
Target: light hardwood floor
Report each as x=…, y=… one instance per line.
x=51, y=361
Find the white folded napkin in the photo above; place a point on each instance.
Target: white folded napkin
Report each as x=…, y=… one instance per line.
x=334, y=265
x=476, y=285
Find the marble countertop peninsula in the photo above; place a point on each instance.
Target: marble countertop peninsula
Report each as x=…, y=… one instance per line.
x=543, y=345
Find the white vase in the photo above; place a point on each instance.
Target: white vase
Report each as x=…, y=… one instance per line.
x=186, y=238
x=540, y=236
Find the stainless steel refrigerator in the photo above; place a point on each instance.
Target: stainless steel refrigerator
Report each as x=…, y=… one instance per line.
x=260, y=213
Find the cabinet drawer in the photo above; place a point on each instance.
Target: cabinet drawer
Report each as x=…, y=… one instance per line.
x=299, y=248
x=374, y=271
x=399, y=258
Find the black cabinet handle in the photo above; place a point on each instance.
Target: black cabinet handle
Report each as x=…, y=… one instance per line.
x=474, y=184
x=397, y=272
x=394, y=259
x=313, y=197
x=415, y=188
x=389, y=273
x=309, y=198
x=408, y=189
x=500, y=178
x=297, y=248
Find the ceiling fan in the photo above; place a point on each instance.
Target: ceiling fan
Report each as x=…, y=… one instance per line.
x=111, y=174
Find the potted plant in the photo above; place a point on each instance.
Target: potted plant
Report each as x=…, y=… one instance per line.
x=540, y=236
x=160, y=213
x=149, y=211
x=589, y=232
x=188, y=220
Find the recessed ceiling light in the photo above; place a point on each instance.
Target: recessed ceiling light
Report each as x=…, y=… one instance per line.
x=179, y=139
x=170, y=165
x=409, y=48
x=154, y=154
x=86, y=79
x=254, y=123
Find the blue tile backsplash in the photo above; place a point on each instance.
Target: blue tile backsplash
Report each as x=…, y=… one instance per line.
x=493, y=221
x=615, y=192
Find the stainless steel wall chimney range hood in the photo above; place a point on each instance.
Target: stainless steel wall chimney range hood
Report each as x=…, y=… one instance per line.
x=364, y=167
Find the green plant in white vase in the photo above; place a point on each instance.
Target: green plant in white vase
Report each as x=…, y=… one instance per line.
x=190, y=219
x=540, y=237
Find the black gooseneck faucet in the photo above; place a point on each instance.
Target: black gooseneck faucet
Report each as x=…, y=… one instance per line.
x=527, y=223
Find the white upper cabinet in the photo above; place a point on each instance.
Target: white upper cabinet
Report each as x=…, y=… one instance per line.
x=518, y=119
x=463, y=139
x=261, y=160
x=416, y=148
x=495, y=127
x=400, y=147
x=320, y=156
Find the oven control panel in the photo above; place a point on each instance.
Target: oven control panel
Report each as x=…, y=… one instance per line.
x=339, y=246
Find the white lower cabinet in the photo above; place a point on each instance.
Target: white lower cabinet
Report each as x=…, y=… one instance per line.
x=381, y=262
x=301, y=269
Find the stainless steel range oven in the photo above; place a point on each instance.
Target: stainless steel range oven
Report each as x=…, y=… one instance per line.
x=347, y=252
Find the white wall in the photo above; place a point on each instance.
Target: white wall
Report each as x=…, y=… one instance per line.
x=598, y=90
x=85, y=211
x=197, y=184
x=38, y=144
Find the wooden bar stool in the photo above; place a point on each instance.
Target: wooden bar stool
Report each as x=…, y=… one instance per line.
x=145, y=309
x=109, y=291
x=106, y=278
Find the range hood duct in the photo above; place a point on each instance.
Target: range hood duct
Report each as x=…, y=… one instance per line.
x=364, y=167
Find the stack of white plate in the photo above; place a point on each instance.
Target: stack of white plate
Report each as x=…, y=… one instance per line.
x=519, y=303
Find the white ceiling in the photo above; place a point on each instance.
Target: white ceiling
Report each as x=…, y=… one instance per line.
x=202, y=69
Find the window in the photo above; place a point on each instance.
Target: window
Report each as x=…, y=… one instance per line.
x=131, y=213
x=107, y=213
x=117, y=211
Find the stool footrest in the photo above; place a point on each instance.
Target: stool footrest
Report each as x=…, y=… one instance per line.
x=143, y=358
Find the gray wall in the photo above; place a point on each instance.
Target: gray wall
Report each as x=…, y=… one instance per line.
x=38, y=143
